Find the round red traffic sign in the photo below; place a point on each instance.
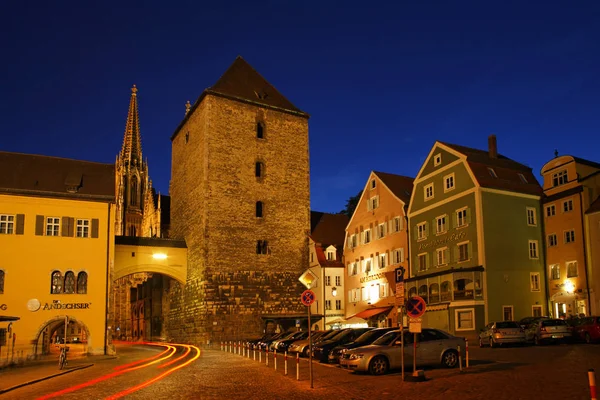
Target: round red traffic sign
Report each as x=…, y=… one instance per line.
x=415, y=306
x=308, y=297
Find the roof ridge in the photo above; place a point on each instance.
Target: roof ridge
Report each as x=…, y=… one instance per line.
x=55, y=157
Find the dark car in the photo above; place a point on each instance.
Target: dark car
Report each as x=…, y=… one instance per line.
x=321, y=350
x=363, y=340
x=588, y=329
x=263, y=345
x=283, y=344
x=302, y=346
x=525, y=322
x=293, y=336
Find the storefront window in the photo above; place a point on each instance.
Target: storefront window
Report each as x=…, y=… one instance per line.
x=82, y=283
x=57, y=283
x=69, y=282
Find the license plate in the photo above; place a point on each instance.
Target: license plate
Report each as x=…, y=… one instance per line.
x=557, y=336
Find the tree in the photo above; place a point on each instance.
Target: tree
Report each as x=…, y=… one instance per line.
x=351, y=205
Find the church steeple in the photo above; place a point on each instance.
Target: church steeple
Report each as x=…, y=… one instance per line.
x=132, y=142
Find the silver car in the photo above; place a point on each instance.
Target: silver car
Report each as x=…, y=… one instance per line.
x=497, y=333
x=548, y=330
x=434, y=347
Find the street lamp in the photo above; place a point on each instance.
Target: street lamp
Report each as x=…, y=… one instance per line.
x=569, y=287
x=334, y=292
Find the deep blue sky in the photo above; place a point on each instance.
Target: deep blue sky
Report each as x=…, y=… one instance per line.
x=381, y=81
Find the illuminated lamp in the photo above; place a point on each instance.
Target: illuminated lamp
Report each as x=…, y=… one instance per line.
x=159, y=256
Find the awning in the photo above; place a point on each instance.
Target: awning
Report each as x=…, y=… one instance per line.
x=370, y=312
x=4, y=318
x=437, y=307
x=350, y=321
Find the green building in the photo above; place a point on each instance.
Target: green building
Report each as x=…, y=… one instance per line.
x=476, y=242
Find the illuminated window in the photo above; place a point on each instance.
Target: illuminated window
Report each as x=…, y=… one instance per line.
x=552, y=241
x=534, y=281
x=7, y=224
x=428, y=191
x=555, y=272
x=52, y=226
x=83, y=228
x=572, y=269
x=82, y=283
x=57, y=283
x=559, y=178
x=69, y=282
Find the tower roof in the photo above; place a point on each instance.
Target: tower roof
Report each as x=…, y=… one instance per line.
x=132, y=141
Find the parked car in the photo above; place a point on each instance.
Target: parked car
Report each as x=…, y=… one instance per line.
x=283, y=344
x=322, y=349
x=365, y=339
x=288, y=335
x=263, y=345
x=301, y=346
x=548, y=330
x=434, y=347
x=503, y=332
x=588, y=330
x=525, y=322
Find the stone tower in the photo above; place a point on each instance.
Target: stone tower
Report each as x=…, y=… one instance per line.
x=240, y=198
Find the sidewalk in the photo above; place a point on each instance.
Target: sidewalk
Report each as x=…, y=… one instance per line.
x=15, y=377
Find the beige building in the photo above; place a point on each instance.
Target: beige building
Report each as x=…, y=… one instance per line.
x=377, y=244
x=571, y=187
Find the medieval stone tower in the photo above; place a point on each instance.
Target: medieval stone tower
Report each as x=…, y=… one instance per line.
x=240, y=199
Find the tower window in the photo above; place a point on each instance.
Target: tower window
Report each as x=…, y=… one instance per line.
x=260, y=130
x=133, y=194
x=259, y=169
x=259, y=209
x=187, y=137
x=262, y=247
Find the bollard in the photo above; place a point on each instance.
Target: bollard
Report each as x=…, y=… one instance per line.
x=267, y=355
x=244, y=351
x=275, y=358
x=466, y=353
x=254, y=353
x=260, y=355
x=285, y=363
x=221, y=345
x=229, y=347
x=297, y=366
x=459, y=359
x=592, y=380
x=239, y=347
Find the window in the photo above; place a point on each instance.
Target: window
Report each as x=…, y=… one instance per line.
x=187, y=137
x=448, y=182
x=522, y=178
x=338, y=304
x=555, y=272
x=534, y=280
x=437, y=160
x=262, y=247
x=367, y=266
x=440, y=225
x=569, y=236
x=1, y=282
x=536, y=311
x=533, y=249
x=531, y=217
x=572, y=269
x=442, y=256
x=134, y=192
x=464, y=319
x=83, y=228
x=327, y=280
x=382, y=260
x=507, y=313
x=353, y=243
x=568, y=205
x=552, y=241
x=422, y=262
x=7, y=224
x=367, y=235
x=550, y=210
x=82, y=283
x=373, y=203
x=397, y=256
x=380, y=231
x=338, y=281
x=328, y=304
x=461, y=218
x=260, y=130
x=383, y=290
x=463, y=251
x=492, y=172
x=422, y=231
x=312, y=257
x=352, y=269
x=259, y=169
x=52, y=226
x=69, y=282
x=560, y=178
x=259, y=209
x=57, y=283
x=429, y=191
x=373, y=183
x=397, y=224
x=330, y=255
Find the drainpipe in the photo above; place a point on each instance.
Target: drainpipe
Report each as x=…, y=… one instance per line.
x=107, y=281
x=587, y=281
x=545, y=253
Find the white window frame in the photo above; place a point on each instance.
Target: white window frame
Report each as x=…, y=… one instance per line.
x=569, y=263
x=419, y=262
x=552, y=235
x=83, y=228
x=560, y=178
x=533, y=307
x=458, y=212
x=382, y=260
x=7, y=224
x=512, y=312
x=447, y=179
x=550, y=210
x=441, y=251
x=456, y=320
x=367, y=236
x=381, y=230
x=570, y=203
x=569, y=236
x=397, y=256
x=534, y=281
x=444, y=227
x=536, y=247
x=53, y=226
x=458, y=250
x=531, y=216
x=554, y=269
x=397, y=224
x=437, y=159
x=373, y=203
x=429, y=186
x=422, y=231
x=354, y=241
x=365, y=262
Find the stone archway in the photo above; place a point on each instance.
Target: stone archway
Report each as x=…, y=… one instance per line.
x=52, y=331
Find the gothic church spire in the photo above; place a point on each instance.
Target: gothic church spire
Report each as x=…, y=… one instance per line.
x=132, y=142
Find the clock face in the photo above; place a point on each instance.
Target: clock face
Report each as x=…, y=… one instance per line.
x=33, y=305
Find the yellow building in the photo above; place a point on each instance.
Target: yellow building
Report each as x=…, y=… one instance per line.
x=57, y=240
x=571, y=185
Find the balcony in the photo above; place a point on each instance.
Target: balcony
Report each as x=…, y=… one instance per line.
x=449, y=287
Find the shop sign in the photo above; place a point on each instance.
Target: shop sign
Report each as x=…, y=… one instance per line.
x=3, y=307
x=56, y=305
x=370, y=278
x=445, y=240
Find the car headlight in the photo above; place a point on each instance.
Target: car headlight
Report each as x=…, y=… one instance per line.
x=344, y=351
x=356, y=356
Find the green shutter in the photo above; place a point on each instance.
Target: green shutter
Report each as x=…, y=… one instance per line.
x=426, y=229
x=454, y=220
x=447, y=255
x=468, y=215
x=39, y=225
x=454, y=254
x=416, y=232
x=95, y=227
x=20, y=224
x=470, y=250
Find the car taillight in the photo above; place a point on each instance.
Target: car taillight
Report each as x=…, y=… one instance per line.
x=494, y=330
x=543, y=329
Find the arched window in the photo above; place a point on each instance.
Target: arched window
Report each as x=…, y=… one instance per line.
x=57, y=283
x=445, y=291
x=412, y=292
x=434, y=293
x=133, y=197
x=259, y=169
x=70, y=282
x=82, y=283
x=260, y=130
x=259, y=209
x=1, y=282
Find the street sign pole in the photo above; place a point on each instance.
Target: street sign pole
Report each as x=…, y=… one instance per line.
x=400, y=305
x=310, y=365
x=402, y=340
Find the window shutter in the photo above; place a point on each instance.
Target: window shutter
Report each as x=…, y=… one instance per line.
x=402, y=254
x=454, y=253
x=454, y=219
x=426, y=229
x=470, y=250
x=368, y=204
x=416, y=232
x=20, y=224
x=64, y=231
x=95, y=227
x=39, y=225
x=71, y=227
x=468, y=215
x=435, y=259
x=447, y=255
x=400, y=223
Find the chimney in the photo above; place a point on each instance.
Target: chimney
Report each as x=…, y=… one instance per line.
x=492, y=146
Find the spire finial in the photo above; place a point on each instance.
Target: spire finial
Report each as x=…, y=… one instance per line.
x=187, y=107
x=134, y=90
x=555, y=153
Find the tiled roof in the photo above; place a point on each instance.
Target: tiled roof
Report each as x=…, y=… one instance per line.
x=400, y=185
x=507, y=171
x=586, y=162
x=30, y=173
x=324, y=262
x=328, y=229
x=594, y=207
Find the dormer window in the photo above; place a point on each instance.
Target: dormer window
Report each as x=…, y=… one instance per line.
x=522, y=178
x=492, y=172
x=559, y=178
x=330, y=255
x=437, y=160
x=260, y=130
x=373, y=184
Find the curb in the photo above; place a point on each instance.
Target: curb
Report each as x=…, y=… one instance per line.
x=2, y=391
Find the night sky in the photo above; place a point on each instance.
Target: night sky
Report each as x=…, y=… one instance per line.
x=381, y=81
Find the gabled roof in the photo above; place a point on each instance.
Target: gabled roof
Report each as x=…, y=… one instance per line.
x=328, y=229
x=594, y=207
x=506, y=169
x=324, y=262
x=44, y=175
x=401, y=186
